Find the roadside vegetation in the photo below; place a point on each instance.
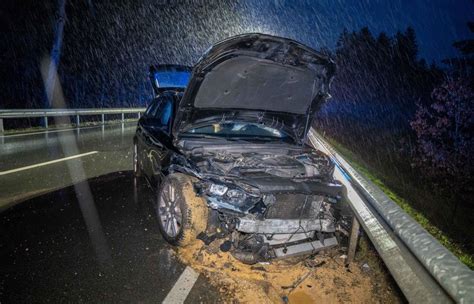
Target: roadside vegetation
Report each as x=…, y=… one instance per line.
x=408, y=127
x=457, y=249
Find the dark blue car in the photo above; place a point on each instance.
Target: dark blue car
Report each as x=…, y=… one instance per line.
x=225, y=147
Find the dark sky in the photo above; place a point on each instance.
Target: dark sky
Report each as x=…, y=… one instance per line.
x=318, y=22
x=109, y=45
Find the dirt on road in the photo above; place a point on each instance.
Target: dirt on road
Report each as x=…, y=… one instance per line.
x=319, y=279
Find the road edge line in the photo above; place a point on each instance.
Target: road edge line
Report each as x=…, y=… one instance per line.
x=182, y=287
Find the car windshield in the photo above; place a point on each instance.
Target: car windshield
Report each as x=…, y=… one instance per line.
x=237, y=130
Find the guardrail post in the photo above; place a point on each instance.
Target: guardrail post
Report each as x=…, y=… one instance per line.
x=46, y=122
x=123, y=117
x=139, y=114
x=353, y=240
x=2, y=130
x=78, y=121
x=103, y=119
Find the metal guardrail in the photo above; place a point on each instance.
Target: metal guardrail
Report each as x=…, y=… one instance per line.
x=425, y=270
x=45, y=113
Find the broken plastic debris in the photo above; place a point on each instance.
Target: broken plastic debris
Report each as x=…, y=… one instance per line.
x=365, y=267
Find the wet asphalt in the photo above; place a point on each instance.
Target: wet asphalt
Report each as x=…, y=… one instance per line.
x=111, y=145
x=91, y=241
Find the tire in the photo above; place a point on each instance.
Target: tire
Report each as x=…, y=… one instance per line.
x=182, y=215
x=137, y=170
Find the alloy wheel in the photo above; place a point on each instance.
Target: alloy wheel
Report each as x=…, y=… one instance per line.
x=169, y=211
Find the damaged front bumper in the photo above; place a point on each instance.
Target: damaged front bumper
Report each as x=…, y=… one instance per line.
x=259, y=249
x=280, y=225
x=263, y=217
x=277, y=226
x=283, y=238
x=305, y=248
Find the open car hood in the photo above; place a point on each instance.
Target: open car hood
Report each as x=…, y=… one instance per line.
x=256, y=78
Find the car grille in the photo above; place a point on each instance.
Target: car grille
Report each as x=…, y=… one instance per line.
x=292, y=206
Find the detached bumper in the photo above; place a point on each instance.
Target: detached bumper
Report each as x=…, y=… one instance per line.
x=304, y=248
x=281, y=238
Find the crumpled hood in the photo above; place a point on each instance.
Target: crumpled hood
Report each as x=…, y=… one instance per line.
x=250, y=165
x=261, y=173
x=256, y=78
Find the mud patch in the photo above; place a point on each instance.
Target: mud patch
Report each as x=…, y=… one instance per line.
x=321, y=279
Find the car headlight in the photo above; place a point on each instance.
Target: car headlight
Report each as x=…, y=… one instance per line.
x=222, y=190
x=217, y=189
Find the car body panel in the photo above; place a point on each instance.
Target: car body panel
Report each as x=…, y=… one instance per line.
x=153, y=138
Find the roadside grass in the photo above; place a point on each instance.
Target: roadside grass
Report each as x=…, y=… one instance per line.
x=376, y=178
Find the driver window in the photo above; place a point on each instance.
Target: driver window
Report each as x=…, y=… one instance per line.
x=162, y=112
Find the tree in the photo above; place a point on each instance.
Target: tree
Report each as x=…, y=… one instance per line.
x=383, y=70
x=444, y=132
x=406, y=47
x=463, y=66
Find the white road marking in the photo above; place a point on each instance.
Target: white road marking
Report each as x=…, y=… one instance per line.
x=47, y=163
x=182, y=287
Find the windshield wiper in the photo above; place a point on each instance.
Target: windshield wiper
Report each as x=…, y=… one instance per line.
x=207, y=136
x=257, y=138
x=233, y=138
x=199, y=135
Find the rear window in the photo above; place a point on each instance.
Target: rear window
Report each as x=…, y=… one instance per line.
x=175, y=79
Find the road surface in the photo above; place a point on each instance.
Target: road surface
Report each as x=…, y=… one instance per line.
x=36, y=163
x=76, y=227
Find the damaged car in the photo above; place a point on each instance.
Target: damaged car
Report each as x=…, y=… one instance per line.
x=225, y=147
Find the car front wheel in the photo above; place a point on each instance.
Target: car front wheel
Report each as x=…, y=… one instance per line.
x=182, y=215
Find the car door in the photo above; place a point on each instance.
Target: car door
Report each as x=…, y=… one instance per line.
x=153, y=134
x=142, y=140
x=157, y=136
